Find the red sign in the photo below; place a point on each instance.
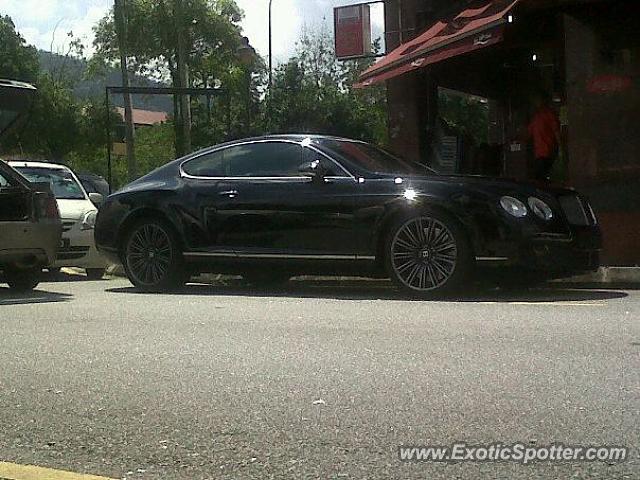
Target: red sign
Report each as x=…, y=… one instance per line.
x=603, y=84
x=353, y=31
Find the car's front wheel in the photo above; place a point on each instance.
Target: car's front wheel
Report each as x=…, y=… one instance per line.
x=428, y=254
x=152, y=257
x=23, y=280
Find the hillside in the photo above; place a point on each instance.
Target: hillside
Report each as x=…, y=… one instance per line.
x=95, y=87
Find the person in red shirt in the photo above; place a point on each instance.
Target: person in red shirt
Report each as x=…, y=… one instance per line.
x=544, y=132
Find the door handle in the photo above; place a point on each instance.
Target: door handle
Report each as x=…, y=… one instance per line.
x=229, y=193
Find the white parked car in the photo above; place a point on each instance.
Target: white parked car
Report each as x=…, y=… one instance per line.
x=78, y=212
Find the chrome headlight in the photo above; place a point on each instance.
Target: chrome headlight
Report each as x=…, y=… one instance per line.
x=514, y=207
x=594, y=219
x=89, y=220
x=540, y=208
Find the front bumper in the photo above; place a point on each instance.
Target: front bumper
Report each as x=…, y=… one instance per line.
x=79, y=250
x=578, y=253
x=556, y=255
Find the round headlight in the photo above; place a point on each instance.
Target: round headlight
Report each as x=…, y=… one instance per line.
x=540, y=208
x=89, y=220
x=514, y=207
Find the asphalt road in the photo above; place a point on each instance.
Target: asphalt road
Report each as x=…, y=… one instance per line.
x=313, y=381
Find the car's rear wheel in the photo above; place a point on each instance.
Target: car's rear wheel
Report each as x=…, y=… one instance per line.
x=95, y=273
x=428, y=254
x=152, y=257
x=23, y=280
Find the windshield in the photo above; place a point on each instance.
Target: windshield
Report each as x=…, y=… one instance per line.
x=63, y=185
x=374, y=159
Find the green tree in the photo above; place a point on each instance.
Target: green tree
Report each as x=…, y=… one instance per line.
x=18, y=61
x=51, y=131
x=313, y=93
x=204, y=33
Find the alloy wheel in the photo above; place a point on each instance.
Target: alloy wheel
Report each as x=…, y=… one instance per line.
x=424, y=254
x=149, y=254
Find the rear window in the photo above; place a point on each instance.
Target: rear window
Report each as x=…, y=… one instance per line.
x=374, y=159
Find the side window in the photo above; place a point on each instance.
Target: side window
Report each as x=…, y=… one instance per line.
x=271, y=159
x=209, y=165
x=333, y=170
x=3, y=182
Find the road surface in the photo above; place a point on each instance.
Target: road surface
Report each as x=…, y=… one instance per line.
x=313, y=381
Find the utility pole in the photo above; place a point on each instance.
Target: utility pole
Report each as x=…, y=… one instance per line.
x=269, y=110
x=183, y=76
x=121, y=32
x=247, y=55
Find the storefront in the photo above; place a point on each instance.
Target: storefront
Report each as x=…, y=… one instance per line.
x=496, y=56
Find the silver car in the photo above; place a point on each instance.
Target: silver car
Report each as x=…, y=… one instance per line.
x=29, y=217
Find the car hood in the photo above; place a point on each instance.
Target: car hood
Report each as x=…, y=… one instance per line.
x=74, y=209
x=499, y=186
x=15, y=101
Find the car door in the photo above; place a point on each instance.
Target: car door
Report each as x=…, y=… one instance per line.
x=255, y=201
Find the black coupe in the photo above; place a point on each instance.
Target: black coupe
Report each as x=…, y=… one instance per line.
x=273, y=207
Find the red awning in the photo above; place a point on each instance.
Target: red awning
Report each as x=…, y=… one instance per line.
x=471, y=30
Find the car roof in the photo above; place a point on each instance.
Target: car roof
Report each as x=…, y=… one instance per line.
x=297, y=137
x=15, y=102
x=291, y=137
x=29, y=164
x=15, y=84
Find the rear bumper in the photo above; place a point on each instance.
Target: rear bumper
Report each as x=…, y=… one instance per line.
x=30, y=244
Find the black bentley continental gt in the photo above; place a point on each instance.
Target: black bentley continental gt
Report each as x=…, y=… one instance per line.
x=274, y=207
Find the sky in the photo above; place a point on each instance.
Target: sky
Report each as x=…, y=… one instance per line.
x=45, y=23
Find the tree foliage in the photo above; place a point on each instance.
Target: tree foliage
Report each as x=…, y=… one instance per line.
x=313, y=93
x=18, y=61
x=159, y=33
x=55, y=125
x=211, y=27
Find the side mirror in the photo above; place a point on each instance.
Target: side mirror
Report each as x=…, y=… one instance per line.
x=315, y=169
x=96, y=198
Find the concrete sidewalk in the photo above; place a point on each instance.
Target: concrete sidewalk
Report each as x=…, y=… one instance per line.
x=609, y=275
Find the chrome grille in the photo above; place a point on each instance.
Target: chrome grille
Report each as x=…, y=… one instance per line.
x=576, y=210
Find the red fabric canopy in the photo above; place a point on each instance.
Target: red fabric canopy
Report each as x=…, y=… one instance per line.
x=471, y=30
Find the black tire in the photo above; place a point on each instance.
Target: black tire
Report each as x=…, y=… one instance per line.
x=23, y=280
x=152, y=256
x=428, y=254
x=266, y=278
x=95, y=273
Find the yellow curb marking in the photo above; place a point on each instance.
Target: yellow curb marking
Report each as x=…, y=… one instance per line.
x=71, y=271
x=12, y=471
